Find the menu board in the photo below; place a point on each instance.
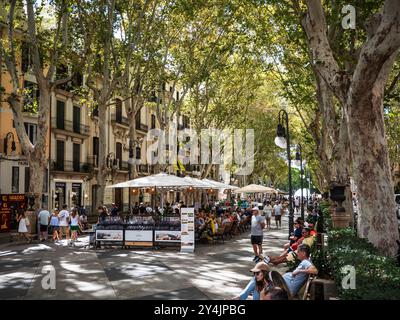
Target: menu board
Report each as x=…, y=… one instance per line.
x=187, y=229
x=8, y=204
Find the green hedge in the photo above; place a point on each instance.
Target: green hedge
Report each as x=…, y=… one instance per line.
x=377, y=276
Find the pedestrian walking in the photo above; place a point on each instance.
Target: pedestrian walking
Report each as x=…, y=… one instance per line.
x=54, y=225
x=23, y=223
x=64, y=222
x=257, y=226
x=268, y=213
x=44, y=219
x=74, y=226
x=278, y=214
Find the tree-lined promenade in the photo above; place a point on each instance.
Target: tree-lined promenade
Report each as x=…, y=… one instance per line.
x=236, y=64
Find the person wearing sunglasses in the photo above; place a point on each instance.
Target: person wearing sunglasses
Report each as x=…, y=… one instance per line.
x=258, y=283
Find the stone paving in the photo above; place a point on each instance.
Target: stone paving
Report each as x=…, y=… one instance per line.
x=218, y=271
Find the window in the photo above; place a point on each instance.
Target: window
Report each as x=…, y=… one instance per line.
x=62, y=73
x=118, y=110
x=171, y=89
x=15, y=180
x=137, y=120
x=153, y=121
x=31, y=97
x=118, y=153
x=60, y=155
x=27, y=179
x=95, y=151
x=138, y=153
x=77, y=119
x=95, y=111
x=177, y=95
x=76, y=157
x=26, y=59
x=31, y=131
x=60, y=114
x=77, y=80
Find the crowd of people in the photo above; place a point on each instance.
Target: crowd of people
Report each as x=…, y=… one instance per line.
x=57, y=223
x=298, y=248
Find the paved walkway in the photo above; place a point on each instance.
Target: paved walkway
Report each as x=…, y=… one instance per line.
x=213, y=272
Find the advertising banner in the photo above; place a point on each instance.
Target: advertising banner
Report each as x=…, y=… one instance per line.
x=139, y=235
x=109, y=235
x=167, y=236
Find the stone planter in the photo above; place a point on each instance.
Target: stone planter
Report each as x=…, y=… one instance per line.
x=340, y=220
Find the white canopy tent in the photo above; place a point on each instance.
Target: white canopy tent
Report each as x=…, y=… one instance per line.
x=255, y=188
x=305, y=190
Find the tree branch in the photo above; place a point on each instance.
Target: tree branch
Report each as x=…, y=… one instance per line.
x=314, y=25
x=393, y=84
x=37, y=66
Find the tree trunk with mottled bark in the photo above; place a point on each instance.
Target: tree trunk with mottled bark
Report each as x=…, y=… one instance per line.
x=102, y=161
x=361, y=93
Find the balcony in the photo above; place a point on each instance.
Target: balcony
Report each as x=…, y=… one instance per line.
x=119, y=120
x=71, y=166
x=142, y=127
x=143, y=168
x=93, y=161
x=70, y=127
x=123, y=165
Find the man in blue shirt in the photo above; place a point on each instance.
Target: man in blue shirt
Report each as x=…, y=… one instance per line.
x=296, y=279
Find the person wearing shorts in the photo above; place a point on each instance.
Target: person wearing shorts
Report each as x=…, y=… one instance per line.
x=268, y=213
x=257, y=226
x=278, y=214
x=54, y=225
x=64, y=222
x=44, y=218
x=74, y=225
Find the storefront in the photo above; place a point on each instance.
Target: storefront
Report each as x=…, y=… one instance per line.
x=69, y=192
x=10, y=205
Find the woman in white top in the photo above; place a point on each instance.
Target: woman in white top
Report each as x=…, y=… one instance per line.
x=22, y=226
x=74, y=224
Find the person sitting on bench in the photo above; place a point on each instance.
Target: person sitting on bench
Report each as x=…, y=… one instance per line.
x=296, y=279
x=290, y=254
x=274, y=293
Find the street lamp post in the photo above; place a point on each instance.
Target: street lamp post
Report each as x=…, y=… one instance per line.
x=282, y=140
x=299, y=157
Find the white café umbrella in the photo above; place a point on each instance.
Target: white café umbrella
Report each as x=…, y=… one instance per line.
x=219, y=185
x=160, y=180
x=197, y=183
x=255, y=188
